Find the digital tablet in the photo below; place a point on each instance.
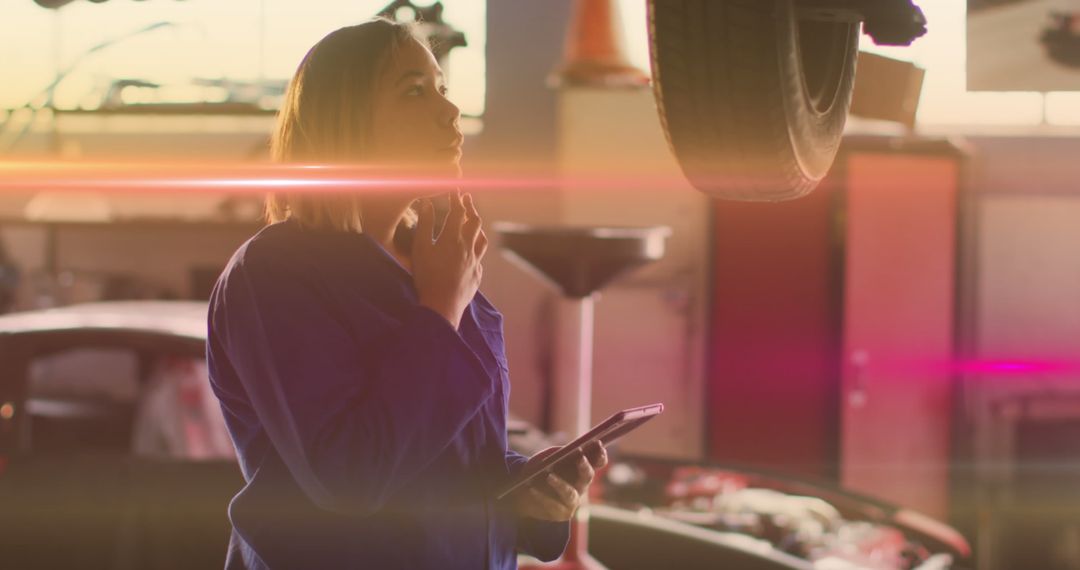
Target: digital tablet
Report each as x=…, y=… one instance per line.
x=562, y=461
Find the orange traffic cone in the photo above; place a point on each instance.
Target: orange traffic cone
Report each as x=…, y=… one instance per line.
x=595, y=53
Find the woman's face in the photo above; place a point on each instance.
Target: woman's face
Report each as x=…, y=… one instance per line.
x=414, y=123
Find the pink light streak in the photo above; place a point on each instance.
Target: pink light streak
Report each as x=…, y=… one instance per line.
x=260, y=178
x=1015, y=367
x=988, y=367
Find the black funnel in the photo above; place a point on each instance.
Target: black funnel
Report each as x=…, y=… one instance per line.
x=581, y=260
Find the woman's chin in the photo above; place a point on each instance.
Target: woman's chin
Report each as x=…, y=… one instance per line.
x=447, y=170
x=437, y=178
x=432, y=176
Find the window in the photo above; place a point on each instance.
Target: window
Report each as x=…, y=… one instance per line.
x=188, y=47
x=86, y=374
x=82, y=399
x=104, y=398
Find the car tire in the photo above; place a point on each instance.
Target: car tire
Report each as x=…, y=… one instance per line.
x=752, y=99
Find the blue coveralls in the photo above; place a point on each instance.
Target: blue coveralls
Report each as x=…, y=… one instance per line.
x=370, y=432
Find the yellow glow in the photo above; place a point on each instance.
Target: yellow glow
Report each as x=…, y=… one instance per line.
x=7, y=411
x=220, y=39
x=208, y=39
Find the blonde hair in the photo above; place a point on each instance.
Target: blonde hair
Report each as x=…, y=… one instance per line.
x=326, y=116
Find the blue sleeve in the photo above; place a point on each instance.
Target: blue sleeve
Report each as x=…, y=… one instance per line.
x=543, y=540
x=356, y=403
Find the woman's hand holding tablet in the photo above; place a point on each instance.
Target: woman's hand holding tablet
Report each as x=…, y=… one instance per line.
x=588, y=450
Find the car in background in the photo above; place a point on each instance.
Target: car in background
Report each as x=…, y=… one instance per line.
x=824, y=525
x=114, y=455
x=112, y=451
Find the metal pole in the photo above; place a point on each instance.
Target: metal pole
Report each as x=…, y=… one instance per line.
x=577, y=551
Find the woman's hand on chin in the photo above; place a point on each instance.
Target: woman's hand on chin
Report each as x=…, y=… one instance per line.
x=447, y=269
